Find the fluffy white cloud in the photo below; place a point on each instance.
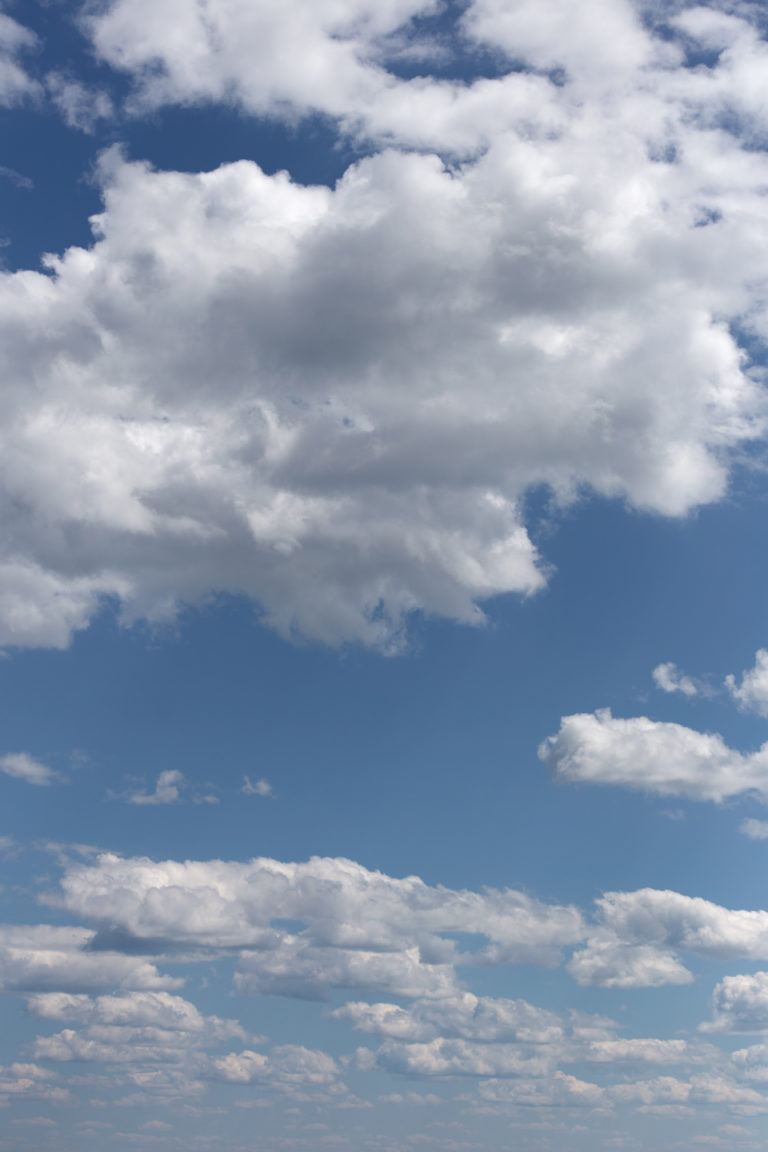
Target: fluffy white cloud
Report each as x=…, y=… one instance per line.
x=740, y=1004
x=752, y=693
x=22, y=766
x=640, y=933
x=465, y=1017
x=364, y=381
x=166, y=790
x=669, y=678
x=40, y=957
x=361, y=929
x=257, y=788
x=651, y=756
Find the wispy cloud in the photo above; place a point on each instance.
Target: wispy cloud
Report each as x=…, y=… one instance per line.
x=257, y=788
x=22, y=766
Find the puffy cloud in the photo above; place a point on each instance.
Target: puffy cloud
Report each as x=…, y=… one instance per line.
x=80, y=106
x=740, y=1004
x=445, y=1057
x=22, y=766
x=558, y=1090
x=361, y=929
x=465, y=1017
x=365, y=380
x=166, y=790
x=287, y=1065
x=651, y=756
x=639, y=934
x=41, y=957
x=752, y=693
x=669, y=678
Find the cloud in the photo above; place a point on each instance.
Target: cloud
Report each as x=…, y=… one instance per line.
x=650, y=756
x=465, y=1017
x=15, y=83
x=669, y=678
x=368, y=378
x=21, y=766
x=754, y=829
x=639, y=934
x=302, y=929
x=166, y=790
x=42, y=957
x=80, y=106
x=259, y=788
x=752, y=693
x=740, y=1004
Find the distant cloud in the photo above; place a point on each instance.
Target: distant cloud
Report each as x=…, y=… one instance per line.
x=22, y=766
x=259, y=788
x=669, y=678
x=752, y=693
x=166, y=790
x=17, y=178
x=754, y=829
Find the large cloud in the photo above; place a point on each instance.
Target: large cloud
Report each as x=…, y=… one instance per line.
x=650, y=756
x=361, y=929
x=334, y=400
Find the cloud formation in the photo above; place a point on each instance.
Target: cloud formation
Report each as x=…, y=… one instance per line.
x=651, y=756
x=752, y=693
x=365, y=380
x=166, y=790
x=669, y=678
x=22, y=766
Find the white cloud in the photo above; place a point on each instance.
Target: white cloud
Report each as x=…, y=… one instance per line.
x=41, y=957
x=80, y=106
x=740, y=1004
x=754, y=829
x=669, y=678
x=22, y=766
x=15, y=82
x=639, y=934
x=304, y=928
x=367, y=379
x=166, y=790
x=259, y=788
x=752, y=693
x=650, y=756
x=465, y=1017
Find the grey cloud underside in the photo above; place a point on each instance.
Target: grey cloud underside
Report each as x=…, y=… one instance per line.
x=332, y=401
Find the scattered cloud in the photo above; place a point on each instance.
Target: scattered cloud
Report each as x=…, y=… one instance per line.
x=166, y=790
x=669, y=678
x=259, y=788
x=752, y=693
x=22, y=766
x=740, y=1004
x=754, y=829
x=651, y=756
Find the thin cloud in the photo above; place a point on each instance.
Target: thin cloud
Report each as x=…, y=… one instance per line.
x=22, y=766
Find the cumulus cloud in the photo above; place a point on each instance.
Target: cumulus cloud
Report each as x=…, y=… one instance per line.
x=669, y=678
x=22, y=766
x=639, y=935
x=752, y=693
x=349, y=927
x=740, y=1004
x=650, y=756
x=465, y=1017
x=43, y=957
x=366, y=379
x=166, y=790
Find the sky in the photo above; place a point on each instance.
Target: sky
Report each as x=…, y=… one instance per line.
x=383, y=641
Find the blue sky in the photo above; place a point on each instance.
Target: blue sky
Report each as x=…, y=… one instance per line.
x=384, y=666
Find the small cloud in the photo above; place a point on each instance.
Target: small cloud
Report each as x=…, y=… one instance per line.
x=166, y=790
x=669, y=678
x=673, y=813
x=754, y=829
x=260, y=788
x=208, y=799
x=81, y=107
x=22, y=766
x=752, y=694
x=17, y=178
